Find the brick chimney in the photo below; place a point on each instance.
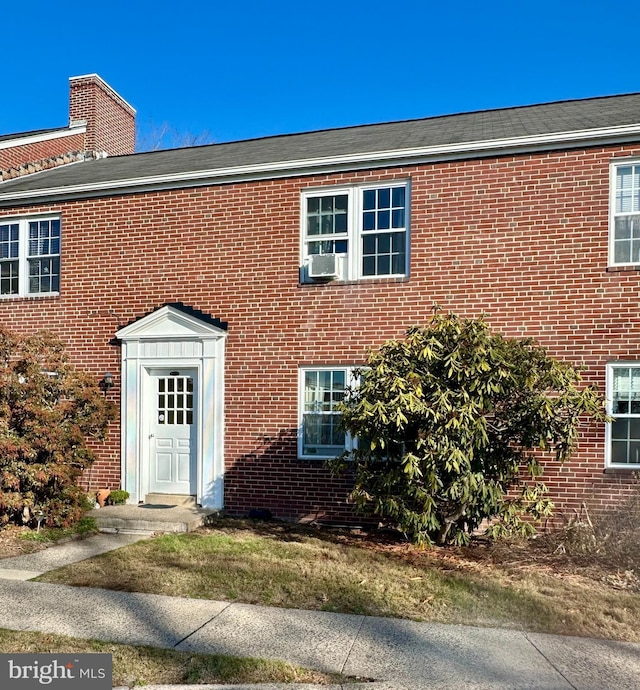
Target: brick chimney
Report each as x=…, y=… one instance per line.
x=110, y=120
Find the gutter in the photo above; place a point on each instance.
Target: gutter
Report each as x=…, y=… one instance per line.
x=332, y=164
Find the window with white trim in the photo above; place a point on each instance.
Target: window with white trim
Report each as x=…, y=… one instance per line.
x=625, y=204
x=29, y=256
x=362, y=230
x=623, y=403
x=320, y=391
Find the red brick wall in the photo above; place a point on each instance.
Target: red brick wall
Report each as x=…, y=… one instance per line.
x=520, y=238
x=49, y=148
x=110, y=120
x=110, y=128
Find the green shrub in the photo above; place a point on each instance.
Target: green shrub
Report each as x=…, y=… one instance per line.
x=50, y=415
x=117, y=497
x=450, y=419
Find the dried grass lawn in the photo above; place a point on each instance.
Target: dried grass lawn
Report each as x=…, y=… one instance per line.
x=139, y=666
x=532, y=585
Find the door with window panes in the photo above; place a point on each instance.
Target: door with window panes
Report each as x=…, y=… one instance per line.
x=173, y=434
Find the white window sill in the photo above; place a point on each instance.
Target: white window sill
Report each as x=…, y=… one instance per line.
x=39, y=295
x=620, y=268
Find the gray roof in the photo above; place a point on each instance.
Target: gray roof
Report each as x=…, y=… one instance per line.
x=279, y=151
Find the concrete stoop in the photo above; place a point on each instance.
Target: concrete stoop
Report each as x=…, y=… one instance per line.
x=171, y=499
x=151, y=517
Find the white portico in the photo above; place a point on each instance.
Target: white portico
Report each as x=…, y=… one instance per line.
x=172, y=406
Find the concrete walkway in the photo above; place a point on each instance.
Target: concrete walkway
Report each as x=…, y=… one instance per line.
x=398, y=654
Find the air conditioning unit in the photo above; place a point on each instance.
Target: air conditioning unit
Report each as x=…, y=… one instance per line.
x=323, y=266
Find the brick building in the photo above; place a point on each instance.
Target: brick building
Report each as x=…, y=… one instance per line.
x=230, y=288
x=101, y=123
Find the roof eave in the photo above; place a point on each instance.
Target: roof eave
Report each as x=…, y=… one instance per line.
x=331, y=164
x=27, y=139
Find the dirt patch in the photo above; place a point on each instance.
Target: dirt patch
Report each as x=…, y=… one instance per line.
x=548, y=554
x=13, y=542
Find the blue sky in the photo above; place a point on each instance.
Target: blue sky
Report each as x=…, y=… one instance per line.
x=238, y=70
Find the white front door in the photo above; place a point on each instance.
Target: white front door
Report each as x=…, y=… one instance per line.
x=173, y=432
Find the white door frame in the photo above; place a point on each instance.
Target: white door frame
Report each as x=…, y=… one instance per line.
x=172, y=339
x=151, y=429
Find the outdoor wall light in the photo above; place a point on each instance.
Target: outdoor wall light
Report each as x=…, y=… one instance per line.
x=106, y=382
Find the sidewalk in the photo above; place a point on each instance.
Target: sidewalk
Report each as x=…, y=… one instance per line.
x=398, y=654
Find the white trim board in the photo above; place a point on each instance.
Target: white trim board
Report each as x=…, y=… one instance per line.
x=333, y=164
x=26, y=139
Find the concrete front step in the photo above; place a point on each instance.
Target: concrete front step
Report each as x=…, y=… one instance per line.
x=171, y=500
x=149, y=518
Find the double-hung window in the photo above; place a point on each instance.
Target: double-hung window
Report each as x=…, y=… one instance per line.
x=625, y=221
x=623, y=403
x=357, y=231
x=320, y=391
x=29, y=256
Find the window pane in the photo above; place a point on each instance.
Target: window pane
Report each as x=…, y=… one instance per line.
x=9, y=241
x=369, y=244
x=620, y=429
x=384, y=220
x=398, y=264
x=627, y=227
x=321, y=434
x=625, y=431
x=342, y=202
x=397, y=197
x=382, y=254
x=620, y=407
x=368, y=266
x=44, y=237
x=622, y=252
x=369, y=221
x=619, y=452
x=397, y=220
x=398, y=243
x=624, y=179
x=327, y=215
x=44, y=275
x=328, y=247
x=8, y=278
x=326, y=225
x=623, y=228
x=369, y=199
x=313, y=225
x=326, y=204
x=634, y=428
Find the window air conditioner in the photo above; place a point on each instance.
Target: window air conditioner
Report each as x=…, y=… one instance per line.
x=323, y=266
